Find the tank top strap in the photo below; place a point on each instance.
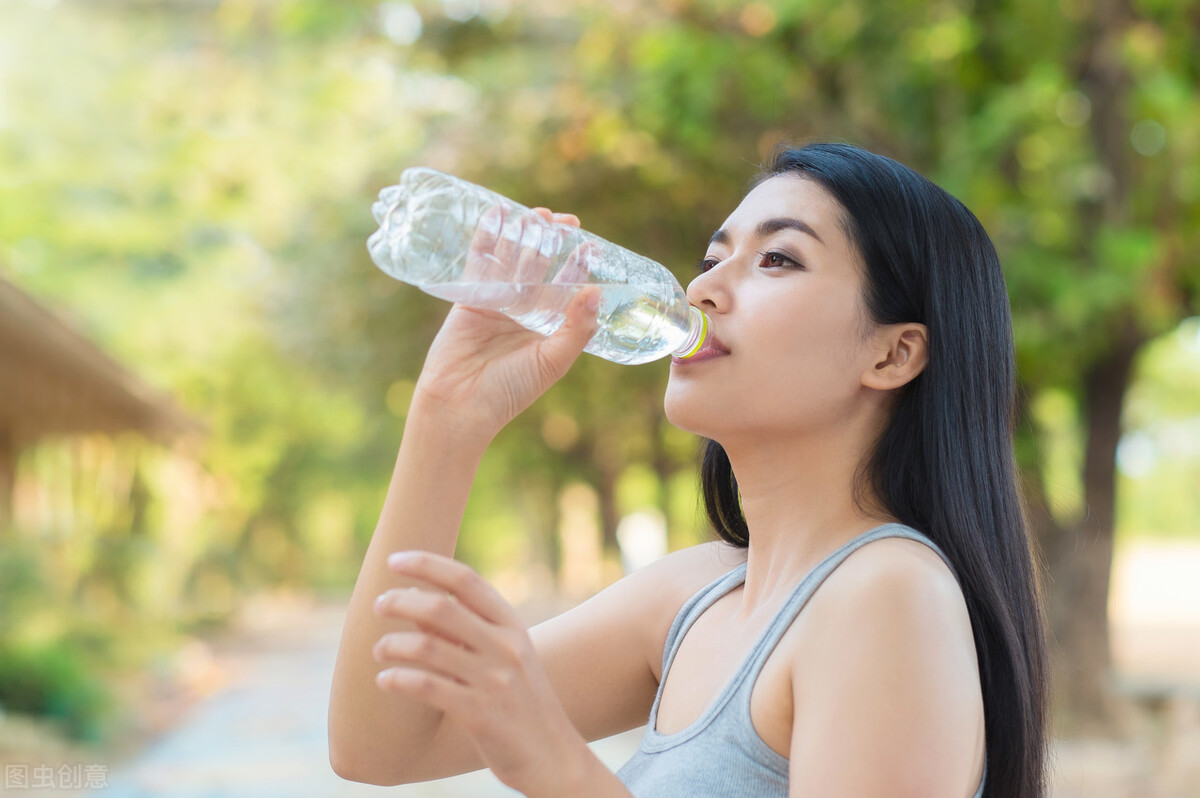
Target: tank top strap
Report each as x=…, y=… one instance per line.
x=693, y=609
x=804, y=590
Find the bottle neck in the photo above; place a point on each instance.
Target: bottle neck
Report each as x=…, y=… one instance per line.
x=697, y=333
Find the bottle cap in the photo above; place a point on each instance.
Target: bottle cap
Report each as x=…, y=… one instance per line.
x=697, y=333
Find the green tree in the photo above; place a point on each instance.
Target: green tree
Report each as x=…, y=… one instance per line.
x=1069, y=128
x=193, y=181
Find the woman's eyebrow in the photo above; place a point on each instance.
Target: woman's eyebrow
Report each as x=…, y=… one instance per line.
x=765, y=228
x=769, y=226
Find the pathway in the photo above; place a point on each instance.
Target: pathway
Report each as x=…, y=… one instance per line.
x=263, y=735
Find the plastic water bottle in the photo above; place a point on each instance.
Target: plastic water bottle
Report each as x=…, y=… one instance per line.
x=463, y=243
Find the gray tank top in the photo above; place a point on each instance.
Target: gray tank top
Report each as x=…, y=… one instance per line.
x=721, y=753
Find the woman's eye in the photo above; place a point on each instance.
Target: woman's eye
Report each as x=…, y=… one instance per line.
x=704, y=264
x=778, y=260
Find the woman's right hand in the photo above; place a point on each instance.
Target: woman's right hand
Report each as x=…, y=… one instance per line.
x=483, y=368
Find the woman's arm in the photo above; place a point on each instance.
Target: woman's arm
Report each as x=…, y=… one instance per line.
x=600, y=661
x=481, y=371
x=524, y=703
x=371, y=733
x=596, y=665
x=471, y=658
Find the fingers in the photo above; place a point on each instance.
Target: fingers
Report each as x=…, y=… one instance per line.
x=480, y=257
x=466, y=632
x=515, y=247
x=459, y=580
x=558, y=218
x=440, y=692
x=427, y=650
x=513, y=252
x=577, y=267
x=437, y=613
x=523, y=236
x=562, y=348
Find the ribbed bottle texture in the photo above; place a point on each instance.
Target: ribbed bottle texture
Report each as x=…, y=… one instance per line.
x=463, y=243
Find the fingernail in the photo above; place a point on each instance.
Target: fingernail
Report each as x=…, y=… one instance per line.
x=399, y=558
x=593, y=301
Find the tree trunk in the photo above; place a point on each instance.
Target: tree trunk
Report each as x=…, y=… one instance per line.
x=1080, y=557
x=606, y=490
x=8, y=481
x=664, y=467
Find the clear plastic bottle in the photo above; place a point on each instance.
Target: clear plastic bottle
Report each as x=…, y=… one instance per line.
x=463, y=243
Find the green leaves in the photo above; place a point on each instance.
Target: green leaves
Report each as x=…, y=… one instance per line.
x=193, y=186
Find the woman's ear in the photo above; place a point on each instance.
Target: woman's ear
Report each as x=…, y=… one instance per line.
x=901, y=351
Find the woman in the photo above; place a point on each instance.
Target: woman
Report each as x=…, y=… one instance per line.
x=869, y=623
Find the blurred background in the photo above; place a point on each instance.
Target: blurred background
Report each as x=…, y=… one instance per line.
x=203, y=378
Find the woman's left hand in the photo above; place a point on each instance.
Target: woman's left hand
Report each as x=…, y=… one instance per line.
x=471, y=657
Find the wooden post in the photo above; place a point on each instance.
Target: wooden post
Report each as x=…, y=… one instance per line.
x=8, y=479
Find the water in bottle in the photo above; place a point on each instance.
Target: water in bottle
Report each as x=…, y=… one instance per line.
x=463, y=243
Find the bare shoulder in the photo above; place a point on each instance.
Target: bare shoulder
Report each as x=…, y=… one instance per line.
x=689, y=569
x=895, y=672
x=896, y=569
x=901, y=586
x=655, y=592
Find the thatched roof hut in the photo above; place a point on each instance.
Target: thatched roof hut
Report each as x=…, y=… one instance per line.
x=54, y=381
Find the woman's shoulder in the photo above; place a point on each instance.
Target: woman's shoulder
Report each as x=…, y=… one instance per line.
x=667, y=583
x=654, y=593
x=885, y=648
x=712, y=558
x=893, y=582
x=894, y=569
x=895, y=608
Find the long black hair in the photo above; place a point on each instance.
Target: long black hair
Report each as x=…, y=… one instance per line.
x=945, y=464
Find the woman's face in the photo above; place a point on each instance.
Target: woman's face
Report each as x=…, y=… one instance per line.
x=782, y=286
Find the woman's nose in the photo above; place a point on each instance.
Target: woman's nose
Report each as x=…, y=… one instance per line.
x=710, y=290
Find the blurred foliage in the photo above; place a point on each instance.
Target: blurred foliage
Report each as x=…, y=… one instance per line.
x=1159, y=456
x=46, y=669
x=189, y=184
x=53, y=682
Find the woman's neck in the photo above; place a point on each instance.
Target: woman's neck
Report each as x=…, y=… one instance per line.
x=800, y=505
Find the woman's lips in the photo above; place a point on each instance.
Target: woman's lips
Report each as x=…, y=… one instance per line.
x=712, y=348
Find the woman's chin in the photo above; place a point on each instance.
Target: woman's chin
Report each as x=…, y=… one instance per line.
x=689, y=417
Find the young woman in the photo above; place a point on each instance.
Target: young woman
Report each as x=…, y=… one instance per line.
x=869, y=623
